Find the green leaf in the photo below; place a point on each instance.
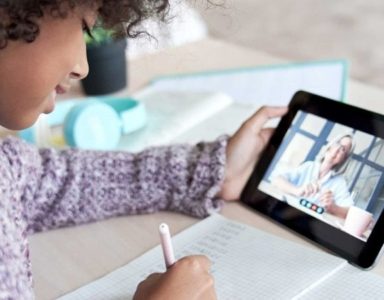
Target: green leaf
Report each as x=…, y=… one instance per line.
x=99, y=35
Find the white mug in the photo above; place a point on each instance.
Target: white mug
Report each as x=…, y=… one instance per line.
x=357, y=221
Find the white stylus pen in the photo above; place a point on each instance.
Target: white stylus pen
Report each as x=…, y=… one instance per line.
x=166, y=244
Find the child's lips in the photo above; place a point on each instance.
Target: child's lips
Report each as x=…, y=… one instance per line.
x=60, y=89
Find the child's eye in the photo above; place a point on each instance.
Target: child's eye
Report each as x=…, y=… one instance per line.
x=86, y=29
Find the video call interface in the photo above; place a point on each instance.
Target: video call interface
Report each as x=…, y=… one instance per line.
x=331, y=172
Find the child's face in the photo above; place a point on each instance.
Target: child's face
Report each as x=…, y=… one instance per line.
x=32, y=74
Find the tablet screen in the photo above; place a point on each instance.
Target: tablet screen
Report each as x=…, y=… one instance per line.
x=329, y=171
x=322, y=175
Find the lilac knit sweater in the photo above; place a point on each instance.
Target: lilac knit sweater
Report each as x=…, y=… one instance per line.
x=45, y=189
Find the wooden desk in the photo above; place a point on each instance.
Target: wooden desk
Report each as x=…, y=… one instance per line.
x=69, y=258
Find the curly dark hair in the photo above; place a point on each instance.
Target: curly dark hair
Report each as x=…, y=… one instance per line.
x=19, y=18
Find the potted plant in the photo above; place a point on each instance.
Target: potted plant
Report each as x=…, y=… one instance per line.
x=107, y=62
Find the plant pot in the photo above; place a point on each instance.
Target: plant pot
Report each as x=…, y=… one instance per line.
x=107, y=68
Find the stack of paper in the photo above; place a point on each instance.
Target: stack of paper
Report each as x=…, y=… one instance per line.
x=265, y=85
x=186, y=108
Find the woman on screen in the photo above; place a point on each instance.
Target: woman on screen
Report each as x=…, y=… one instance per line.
x=321, y=181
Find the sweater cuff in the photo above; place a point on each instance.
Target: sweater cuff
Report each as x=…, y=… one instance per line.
x=209, y=180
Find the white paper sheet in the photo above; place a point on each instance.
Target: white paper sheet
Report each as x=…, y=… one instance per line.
x=270, y=85
x=348, y=283
x=247, y=264
x=171, y=114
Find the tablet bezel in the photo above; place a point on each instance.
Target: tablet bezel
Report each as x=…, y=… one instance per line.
x=356, y=251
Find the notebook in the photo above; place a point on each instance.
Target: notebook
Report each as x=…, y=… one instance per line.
x=247, y=263
x=264, y=85
x=186, y=107
x=170, y=114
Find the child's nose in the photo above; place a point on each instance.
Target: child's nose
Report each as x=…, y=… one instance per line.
x=81, y=69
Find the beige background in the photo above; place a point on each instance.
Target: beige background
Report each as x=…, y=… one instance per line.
x=311, y=29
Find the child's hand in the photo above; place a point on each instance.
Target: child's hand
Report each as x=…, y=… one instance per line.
x=187, y=279
x=244, y=148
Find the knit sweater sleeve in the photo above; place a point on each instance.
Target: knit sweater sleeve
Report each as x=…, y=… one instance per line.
x=41, y=189
x=61, y=188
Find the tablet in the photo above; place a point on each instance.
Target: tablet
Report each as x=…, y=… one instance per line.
x=321, y=175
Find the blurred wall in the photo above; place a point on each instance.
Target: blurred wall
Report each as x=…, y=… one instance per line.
x=311, y=29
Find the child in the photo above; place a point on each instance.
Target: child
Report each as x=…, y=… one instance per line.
x=42, y=53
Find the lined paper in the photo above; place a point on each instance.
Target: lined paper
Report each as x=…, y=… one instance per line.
x=247, y=263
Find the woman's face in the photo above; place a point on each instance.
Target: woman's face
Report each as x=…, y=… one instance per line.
x=31, y=75
x=338, y=152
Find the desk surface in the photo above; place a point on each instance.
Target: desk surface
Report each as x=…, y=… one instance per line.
x=65, y=259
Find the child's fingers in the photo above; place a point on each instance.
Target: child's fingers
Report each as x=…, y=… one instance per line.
x=265, y=113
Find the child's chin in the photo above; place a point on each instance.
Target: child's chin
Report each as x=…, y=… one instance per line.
x=50, y=106
x=49, y=109
x=50, y=103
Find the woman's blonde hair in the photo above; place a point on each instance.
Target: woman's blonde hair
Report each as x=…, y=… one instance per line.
x=342, y=166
